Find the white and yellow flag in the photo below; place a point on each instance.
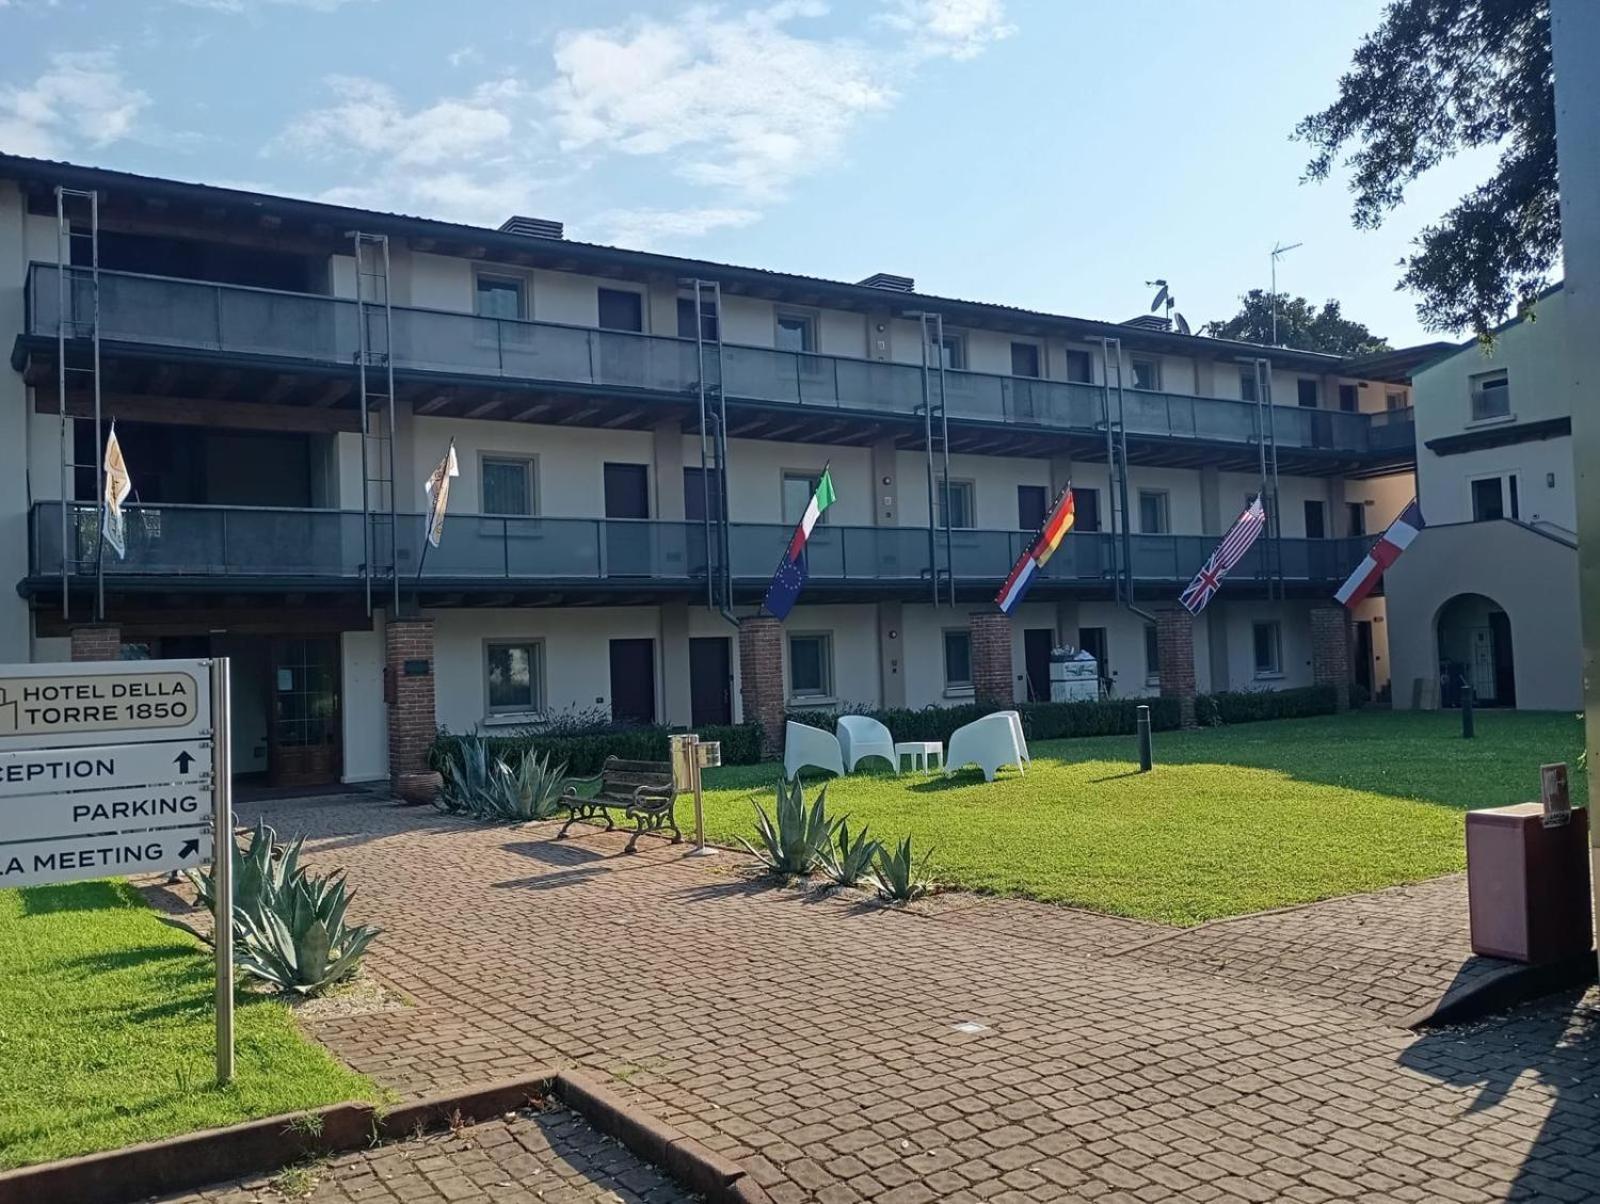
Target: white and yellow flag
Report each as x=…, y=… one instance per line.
x=437, y=488
x=118, y=486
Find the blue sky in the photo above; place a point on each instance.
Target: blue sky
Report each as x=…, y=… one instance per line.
x=1047, y=153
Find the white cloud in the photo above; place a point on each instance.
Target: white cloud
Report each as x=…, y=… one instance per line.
x=368, y=118
x=653, y=227
x=749, y=105
x=958, y=29
x=81, y=98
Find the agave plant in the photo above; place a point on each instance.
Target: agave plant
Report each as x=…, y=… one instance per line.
x=533, y=790
x=800, y=839
x=301, y=944
x=847, y=861
x=466, y=770
x=901, y=878
x=261, y=869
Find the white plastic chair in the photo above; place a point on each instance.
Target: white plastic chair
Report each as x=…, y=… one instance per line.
x=803, y=746
x=988, y=743
x=1022, y=741
x=861, y=736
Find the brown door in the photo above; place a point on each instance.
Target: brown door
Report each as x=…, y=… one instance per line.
x=633, y=681
x=710, y=681
x=303, y=745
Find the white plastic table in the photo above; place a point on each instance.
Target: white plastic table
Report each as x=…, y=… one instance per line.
x=922, y=753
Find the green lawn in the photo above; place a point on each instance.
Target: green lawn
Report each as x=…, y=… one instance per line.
x=106, y=1031
x=1232, y=820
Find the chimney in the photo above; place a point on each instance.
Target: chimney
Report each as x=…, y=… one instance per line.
x=531, y=227
x=1149, y=322
x=890, y=282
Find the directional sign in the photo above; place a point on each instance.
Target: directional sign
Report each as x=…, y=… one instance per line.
x=103, y=856
x=103, y=702
x=90, y=812
x=103, y=767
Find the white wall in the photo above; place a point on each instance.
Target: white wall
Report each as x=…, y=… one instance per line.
x=365, y=718
x=1543, y=467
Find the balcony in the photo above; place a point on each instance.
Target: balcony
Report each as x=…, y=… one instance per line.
x=274, y=548
x=303, y=329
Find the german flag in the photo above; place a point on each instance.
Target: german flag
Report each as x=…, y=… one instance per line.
x=1050, y=535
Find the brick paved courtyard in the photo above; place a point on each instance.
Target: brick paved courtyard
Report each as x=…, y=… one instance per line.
x=815, y=1039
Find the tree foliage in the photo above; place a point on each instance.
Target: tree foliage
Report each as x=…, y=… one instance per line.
x=1435, y=78
x=1301, y=325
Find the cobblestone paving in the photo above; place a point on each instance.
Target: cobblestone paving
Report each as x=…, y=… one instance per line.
x=815, y=1039
x=533, y=1158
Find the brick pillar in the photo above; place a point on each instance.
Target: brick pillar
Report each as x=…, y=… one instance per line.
x=100, y=642
x=991, y=658
x=761, y=679
x=1175, y=650
x=1330, y=652
x=408, y=689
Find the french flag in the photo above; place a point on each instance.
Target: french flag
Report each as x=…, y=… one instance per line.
x=1384, y=553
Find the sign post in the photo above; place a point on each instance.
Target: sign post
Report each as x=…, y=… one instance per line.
x=108, y=767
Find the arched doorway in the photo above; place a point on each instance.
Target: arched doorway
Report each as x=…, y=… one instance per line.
x=1474, y=641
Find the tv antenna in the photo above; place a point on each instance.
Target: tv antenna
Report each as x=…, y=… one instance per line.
x=1278, y=251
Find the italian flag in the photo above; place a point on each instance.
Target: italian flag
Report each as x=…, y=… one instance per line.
x=790, y=578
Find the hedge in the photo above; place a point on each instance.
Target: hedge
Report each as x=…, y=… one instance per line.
x=584, y=753
x=1255, y=705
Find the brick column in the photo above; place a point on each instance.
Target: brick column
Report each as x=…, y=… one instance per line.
x=990, y=633
x=1330, y=652
x=761, y=679
x=100, y=642
x=408, y=689
x=1175, y=650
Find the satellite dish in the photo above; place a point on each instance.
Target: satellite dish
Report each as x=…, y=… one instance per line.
x=1162, y=295
x=1183, y=324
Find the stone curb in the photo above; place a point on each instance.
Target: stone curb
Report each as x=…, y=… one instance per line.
x=193, y=1160
x=196, y=1160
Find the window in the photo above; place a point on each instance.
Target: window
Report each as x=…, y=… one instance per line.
x=708, y=318
x=1152, y=654
x=797, y=332
x=1268, y=642
x=1025, y=360
x=701, y=495
x=797, y=490
x=1357, y=513
x=515, y=675
x=811, y=666
x=958, y=659
x=621, y=309
x=1307, y=392
x=960, y=506
x=1154, y=518
x=1146, y=373
x=1086, y=509
x=1491, y=395
x=1349, y=399
x=1079, y=366
x=508, y=486
x=1247, y=384
x=500, y=297
x=1394, y=401
x=1316, y=520
x=1495, y=497
x=1032, y=502
x=953, y=352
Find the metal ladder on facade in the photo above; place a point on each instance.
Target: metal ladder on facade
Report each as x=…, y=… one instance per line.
x=1112, y=419
x=936, y=439
x=375, y=392
x=707, y=301
x=78, y=368
x=1267, y=442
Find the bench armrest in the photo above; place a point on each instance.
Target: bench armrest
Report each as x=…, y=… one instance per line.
x=569, y=785
x=643, y=794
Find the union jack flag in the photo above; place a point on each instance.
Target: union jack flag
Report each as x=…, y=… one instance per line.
x=1229, y=552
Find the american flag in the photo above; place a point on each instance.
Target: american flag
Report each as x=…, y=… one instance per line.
x=1229, y=552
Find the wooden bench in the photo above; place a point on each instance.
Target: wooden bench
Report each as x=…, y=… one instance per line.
x=642, y=790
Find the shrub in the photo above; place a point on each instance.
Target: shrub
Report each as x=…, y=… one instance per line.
x=1040, y=720
x=901, y=878
x=800, y=839
x=1252, y=706
x=515, y=787
x=584, y=753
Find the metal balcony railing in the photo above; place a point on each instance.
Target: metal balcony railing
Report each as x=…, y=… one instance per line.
x=269, y=544
x=233, y=319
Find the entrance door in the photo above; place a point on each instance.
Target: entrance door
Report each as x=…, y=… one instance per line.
x=1036, y=645
x=710, y=681
x=627, y=488
x=303, y=737
x=633, y=681
x=1093, y=641
x=1364, y=676
x=1505, y=677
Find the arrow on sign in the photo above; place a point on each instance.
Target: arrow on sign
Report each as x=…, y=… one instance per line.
x=192, y=845
x=183, y=760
